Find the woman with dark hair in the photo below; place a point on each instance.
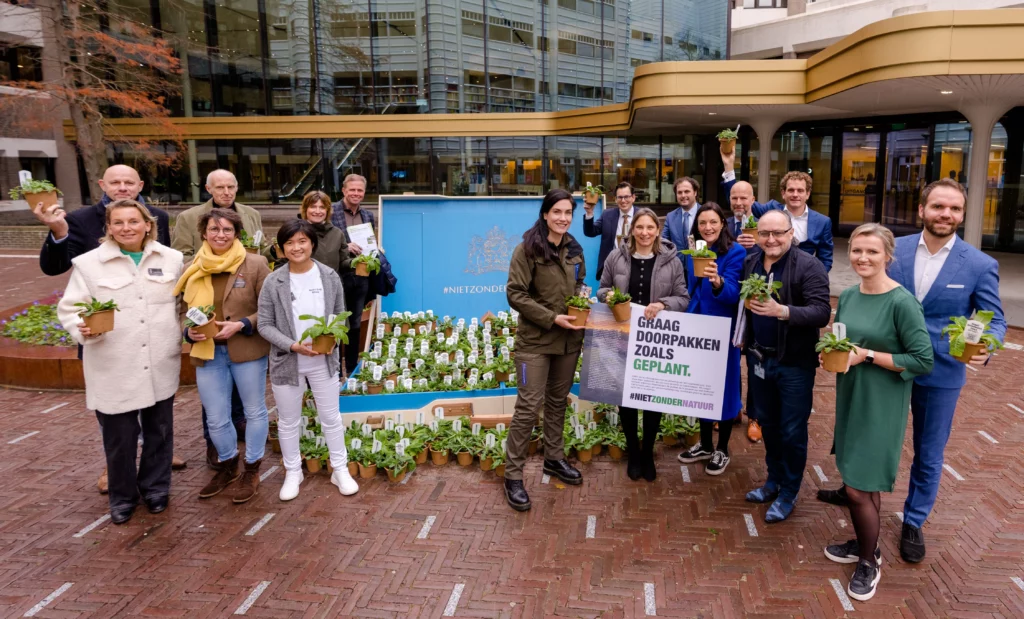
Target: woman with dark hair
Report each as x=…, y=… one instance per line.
x=716, y=292
x=303, y=286
x=648, y=269
x=546, y=269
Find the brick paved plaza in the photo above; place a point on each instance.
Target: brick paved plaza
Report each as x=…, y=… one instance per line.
x=446, y=543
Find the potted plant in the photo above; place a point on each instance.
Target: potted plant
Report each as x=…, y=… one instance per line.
x=326, y=335
x=579, y=308
x=439, y=451
x=959, y=347
x=835, y=352
x=701, y=259
x=373, y=386
x=34, y=192
x=615, y=439
x=367, y=465
x=209, y=329
x=619, y=302
x=750, y=225
x=727, y=141
x=501, y=369
x=397, y=466
x=447, y=326
x=592, y=193
x=365, y=264
x=756, y=287
x=498, y=461
x=98, y=316
x=248, y=242
x=535, y=438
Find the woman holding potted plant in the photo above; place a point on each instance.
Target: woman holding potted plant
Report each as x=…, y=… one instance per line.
x=873, y=395
x=225, y=277
x=716, y=292
x=546, y=269
x=303, y=287
x=143, y=351
x=647, y=268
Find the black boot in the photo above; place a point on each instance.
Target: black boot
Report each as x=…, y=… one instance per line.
x=912, y=544
x=835, y=497
x=564, y=471
x=650, y=471
x=652, y=422
x=516, y=495
x=634, y=466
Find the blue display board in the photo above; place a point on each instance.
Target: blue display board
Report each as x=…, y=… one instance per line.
x=451, y=254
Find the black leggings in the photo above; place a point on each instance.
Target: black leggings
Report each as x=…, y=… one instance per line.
x=652, y=423
x=724, y=432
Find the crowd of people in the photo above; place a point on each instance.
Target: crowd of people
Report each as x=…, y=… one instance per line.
x=122, y=249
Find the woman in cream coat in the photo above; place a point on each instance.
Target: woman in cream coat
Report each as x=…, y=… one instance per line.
x=131, y=372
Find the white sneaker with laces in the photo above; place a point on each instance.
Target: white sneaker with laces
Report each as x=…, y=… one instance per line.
x=346, y=485
x=290, y=487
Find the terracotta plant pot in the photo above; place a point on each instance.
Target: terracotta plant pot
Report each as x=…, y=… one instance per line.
x=313, y=465
x=580, y=315
x=353, y=469
x=500, y=470
x=584, y=455
x=374, y=389
x=367, y=472
x=405, y=329
x=598, y=416
x=835, y=361
x=439, y=458
x=252, y=250
x=210, y=329
x=486, y=464
x=670, y=439
x=746, y=302
x=622, y=312
x=48, y=198
x=275, y=445
x=330, y=468
x=448, y=332
x=969, y=351
x=596, y=449
x=691, y=439
x=421, y=457
x=465, y=458
x=101, y=322
x=533, y=446
x=501, y=377
x=396, y=477
x=590, y=198
x=393, y=378
x=362, y=271
x=727, y=146
x=614, y=452
x=324, y=344
x=699, y=264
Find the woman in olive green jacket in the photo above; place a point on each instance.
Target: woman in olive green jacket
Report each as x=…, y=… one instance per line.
x=332, y=242
x=546, y=269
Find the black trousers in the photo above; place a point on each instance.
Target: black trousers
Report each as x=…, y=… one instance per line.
x=237, y=416
x=355, y=289
x=152, y=478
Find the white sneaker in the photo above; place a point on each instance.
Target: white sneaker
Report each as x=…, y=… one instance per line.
x=346, y=485
x=290, y=487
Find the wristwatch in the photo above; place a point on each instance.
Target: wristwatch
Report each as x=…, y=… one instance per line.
x=870, y=357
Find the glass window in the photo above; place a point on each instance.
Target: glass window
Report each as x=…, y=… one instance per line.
x=472, y=28
x=567, y=4
x=566, y=46
x=680, y=157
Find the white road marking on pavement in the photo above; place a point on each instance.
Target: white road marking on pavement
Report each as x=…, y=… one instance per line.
x=53, y=408
x=545, y=479
x=988, y=437
x=591, y=527
x=21, y=438
x=269, y=472
x=900, y=516
x=1013, y=346
x=751, y=529
x=426, y=527
x=99, y=521
x=408, y=476
x=1016, y=408
x=842, y=523
x=453, y=601
x=271, y=409
x=46, y=600
x=686, y=473
x=13, y=256
x=249, y=601
x=821, y=474
x=844, y=599
x=259, y=525
x=953, y=472
x=1017, y=581
x=972, y=368
x=650, y=608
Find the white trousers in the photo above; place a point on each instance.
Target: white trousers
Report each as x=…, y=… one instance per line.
x=289, y=411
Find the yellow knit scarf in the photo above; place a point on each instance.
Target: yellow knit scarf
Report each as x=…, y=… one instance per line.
x=197, y=282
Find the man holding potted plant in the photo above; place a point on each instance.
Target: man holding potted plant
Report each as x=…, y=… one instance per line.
x=613, y=225
x=950, y=278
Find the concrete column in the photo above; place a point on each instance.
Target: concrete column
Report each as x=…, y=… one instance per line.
x=765, y=128
x=983, y=117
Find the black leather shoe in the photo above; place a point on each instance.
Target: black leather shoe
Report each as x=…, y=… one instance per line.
x=912, y=544
x=157, y=505
x=516, y=495
x=123, y=515
x=634, y=468
x=650, y=470
x=564, y=471
x=835, y=497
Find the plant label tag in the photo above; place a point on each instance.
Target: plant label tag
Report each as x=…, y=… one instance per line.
x=511, y=378
x=377, y=446
x=460, y=357
x=592, y=425
x=588, y=416
x=422, y=382
x=472, y=381
x=488, y=376
x=408, y=347
x=419, y=363
x=448, y=380
x=400, y=449
x=377, y=372
x=699, y=245
x=406, y=373
x=510, y=342
x=434, y=425
x=352, y=384
x=404, y=363
x=197, y=316
x=457, y=425
x=307, y=434
x=505, y=331
x=504, y=355
x=396, y=314
x=471, y=360
x=439, y=412
x=406, y=314
x=973, y=331
x=24, y=176
x=257, y=238
x=579, y=432
x=320, y=441
x=424, y=348
x=389, y=424
x=613, y=418
x=487, y=337
x=356, y=443
x=407, y=383
x=366, y=429
x=398, y=419
x=375, y=354
x=475, y=429
x=389, y=385
x=423, y=329
x=499, y=427
x=474, y=321
x=489, y=441
x=430, y=314
x=488, y=355
x=440, y=338
x=503, y=442
x=390, y=365
x=462, y=322
x=421, y=314
x=401, y=430
x=380, y=331
x=839, y=330
x=474, y=372
x=420, y=418
x=487, y=326
x=304, y=422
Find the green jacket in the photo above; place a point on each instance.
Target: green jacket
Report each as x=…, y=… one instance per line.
x=538, y=288
x=332, y=247
x=186, y=238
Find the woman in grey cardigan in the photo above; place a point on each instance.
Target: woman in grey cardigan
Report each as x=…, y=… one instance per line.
x=303, y=286
x=648, y=268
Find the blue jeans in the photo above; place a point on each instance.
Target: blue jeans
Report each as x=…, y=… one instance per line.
x=215, y=381
x=932, y=409
x=783, y=400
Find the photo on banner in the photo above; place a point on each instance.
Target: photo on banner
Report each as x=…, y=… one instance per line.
x=674, y=363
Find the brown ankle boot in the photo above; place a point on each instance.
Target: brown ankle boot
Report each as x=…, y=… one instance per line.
x=227, y=473
x=250, y=483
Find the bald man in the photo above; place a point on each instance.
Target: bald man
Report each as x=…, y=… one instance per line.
x=222, y=187
x=73, y=234
x=741, y=199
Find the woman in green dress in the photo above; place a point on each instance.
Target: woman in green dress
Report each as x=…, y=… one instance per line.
x=886, y=323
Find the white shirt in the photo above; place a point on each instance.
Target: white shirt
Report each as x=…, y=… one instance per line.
x=307, y=298
x=927, y=266
x=618, y=229
x=800, y=224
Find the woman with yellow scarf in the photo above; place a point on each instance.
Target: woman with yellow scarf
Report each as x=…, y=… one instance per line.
x=223, y=275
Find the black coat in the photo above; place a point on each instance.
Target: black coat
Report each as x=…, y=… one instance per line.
x=805, y=289
x=86, y=227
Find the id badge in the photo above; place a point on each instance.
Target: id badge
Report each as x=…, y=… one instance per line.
x=759, y=370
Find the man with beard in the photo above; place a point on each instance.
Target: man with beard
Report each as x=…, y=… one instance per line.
x=949, y=278
x=679, y=223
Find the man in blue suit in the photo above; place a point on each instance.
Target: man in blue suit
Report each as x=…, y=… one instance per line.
x=949, y=278
x=679, y=222
x=613, y=225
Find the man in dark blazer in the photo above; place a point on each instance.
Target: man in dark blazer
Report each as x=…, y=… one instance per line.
x=679, y=222
x=613, y=224
x=74, y=234
x=349, y=212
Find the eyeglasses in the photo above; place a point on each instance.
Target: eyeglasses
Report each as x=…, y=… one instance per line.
x=764, y=234
x=623, y=198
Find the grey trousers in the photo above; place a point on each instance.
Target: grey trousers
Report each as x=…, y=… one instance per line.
x=543, y=382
